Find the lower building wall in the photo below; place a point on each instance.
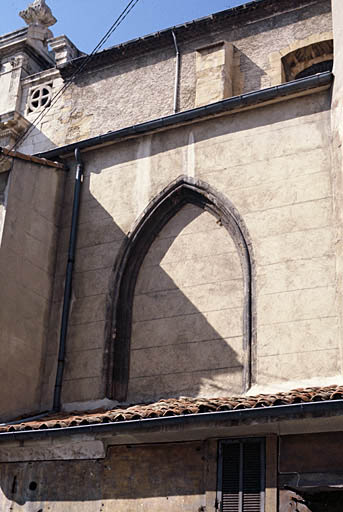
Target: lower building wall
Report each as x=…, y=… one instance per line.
x=303, y=472
x=146, y=478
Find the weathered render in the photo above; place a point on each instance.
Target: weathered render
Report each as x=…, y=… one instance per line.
x=280, y=153
x=27, y=265
x=207, y=274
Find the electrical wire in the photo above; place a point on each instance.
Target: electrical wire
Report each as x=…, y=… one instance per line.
x=56, y=97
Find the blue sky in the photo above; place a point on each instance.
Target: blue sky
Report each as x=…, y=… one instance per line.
x=86, y=21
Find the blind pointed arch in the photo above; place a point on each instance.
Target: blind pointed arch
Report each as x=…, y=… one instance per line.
x=167, y=204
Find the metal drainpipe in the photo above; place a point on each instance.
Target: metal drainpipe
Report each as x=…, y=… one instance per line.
x=177, y=72
x=68, y=281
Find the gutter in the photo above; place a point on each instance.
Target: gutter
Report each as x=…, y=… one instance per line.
x=210, y=419
x=307, y=85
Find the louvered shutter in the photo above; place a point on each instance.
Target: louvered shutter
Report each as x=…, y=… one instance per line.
x=242, y=476
x=231, y=475
x=252, y=477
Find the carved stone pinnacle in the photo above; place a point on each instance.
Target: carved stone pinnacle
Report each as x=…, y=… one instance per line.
x=38, y=13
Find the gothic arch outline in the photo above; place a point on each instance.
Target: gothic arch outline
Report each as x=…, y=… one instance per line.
x=161, y=209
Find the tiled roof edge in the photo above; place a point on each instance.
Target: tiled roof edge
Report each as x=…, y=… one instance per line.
x=300, y=403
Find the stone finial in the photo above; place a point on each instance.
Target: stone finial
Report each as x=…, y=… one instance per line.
x=38, y=13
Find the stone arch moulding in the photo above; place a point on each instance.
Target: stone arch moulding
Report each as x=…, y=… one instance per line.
x=182, y=191
x=299, y=55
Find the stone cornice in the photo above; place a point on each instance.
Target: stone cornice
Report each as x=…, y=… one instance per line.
x=13, y=124
x=21, y=41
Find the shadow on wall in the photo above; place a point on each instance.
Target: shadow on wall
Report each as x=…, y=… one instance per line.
x=187, y=319
x=253, y=74
x=183, y=282
x=36, y=141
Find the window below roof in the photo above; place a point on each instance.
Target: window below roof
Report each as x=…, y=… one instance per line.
x=241, y=475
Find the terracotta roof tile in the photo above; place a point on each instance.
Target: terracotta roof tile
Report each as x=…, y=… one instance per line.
x=177, y=407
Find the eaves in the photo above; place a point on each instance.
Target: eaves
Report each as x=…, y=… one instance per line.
x=211, y=420
x=235, y=104
x=247, y=13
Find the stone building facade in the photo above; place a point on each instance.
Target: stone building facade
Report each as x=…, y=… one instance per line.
x=196, y=361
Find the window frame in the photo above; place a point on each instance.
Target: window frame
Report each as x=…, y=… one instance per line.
x=43, y=99
x=298, y=60
x=183, y=190
x=241, y=442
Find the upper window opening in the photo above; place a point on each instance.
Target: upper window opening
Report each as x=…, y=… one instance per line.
x=40, y=97
x=309, y=60
x=326, y=65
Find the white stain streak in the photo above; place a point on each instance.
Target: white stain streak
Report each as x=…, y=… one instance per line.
x=3, y=207
x=190, y=159
x=142, y=188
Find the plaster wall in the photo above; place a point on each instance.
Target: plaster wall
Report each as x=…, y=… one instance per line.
x=274, y=164
x=140, y=87
x=27, y=258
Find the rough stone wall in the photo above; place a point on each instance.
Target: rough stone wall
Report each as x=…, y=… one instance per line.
x=139, y=89
x=27, y=258
x=253, y=45
x=258, y=41
x=187, y=326
x=274, y=165
x=151, y=478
